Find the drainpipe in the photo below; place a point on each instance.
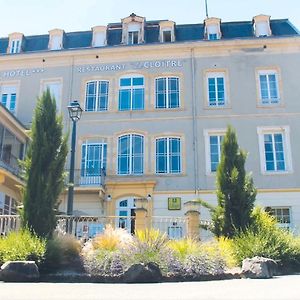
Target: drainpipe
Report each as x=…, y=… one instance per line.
x=194, y=123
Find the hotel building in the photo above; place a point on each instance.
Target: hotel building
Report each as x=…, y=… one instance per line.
x=157, y=98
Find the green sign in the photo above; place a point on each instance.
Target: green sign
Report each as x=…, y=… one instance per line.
x=174, y=203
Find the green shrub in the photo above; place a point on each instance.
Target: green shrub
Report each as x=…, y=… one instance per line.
x=22, y=245
x=61, y=251
x=265, y=238
x=184, y=247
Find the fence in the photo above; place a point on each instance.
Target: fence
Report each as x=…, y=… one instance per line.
x=85, y=227
x=9, y=223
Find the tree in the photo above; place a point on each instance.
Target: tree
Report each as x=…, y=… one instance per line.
x=44, y=168
x=235, y=189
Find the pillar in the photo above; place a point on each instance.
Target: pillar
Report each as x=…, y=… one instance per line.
x=141, y=219
x=193, y=223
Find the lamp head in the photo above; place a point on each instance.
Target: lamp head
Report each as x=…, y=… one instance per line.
x=75, y=111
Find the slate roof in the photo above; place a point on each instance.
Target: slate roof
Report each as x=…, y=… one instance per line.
x=183, y=33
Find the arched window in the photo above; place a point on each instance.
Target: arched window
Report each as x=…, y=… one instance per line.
x=131, y=93
x=96, y=97
x=130, y=154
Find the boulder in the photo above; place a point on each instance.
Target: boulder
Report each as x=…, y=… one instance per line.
x=19, y=271
x=259, y=267
x=140, y=273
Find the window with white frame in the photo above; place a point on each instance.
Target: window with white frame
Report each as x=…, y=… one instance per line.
x=268, y=85
x=15, y=46
x=275, y=150
x=213, y=148
x=168, y=155
x=93, y=160
x=167, y=92
x=282, y=215
x=133, y=37
x=9, y=97
x=215, y=143
x=131, y=93
x=8, y=205
x=131, y=154
x=216, y=89
x=96, y=97
x=55, y=89
x=212, y=36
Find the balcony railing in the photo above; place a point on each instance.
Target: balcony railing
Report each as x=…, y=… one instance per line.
x=88, y=177
x=10, y=163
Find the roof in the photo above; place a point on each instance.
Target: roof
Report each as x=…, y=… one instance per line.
x=4, y=110
x=183, y=33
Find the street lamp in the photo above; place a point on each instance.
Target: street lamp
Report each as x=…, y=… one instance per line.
x=75, y=112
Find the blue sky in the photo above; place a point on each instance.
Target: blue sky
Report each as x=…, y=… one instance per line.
x=39, y=16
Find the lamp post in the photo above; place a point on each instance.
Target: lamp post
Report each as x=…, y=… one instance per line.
x=75, y=112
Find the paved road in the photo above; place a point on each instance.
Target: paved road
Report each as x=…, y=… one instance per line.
x=280, y=288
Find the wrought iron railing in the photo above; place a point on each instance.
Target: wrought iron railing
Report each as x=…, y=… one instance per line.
x=85, y=227
x=87, y=177
x=10, y=163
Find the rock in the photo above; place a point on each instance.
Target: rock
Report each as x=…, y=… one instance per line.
x=140, y=273
x=259, y=267
x=19, y=271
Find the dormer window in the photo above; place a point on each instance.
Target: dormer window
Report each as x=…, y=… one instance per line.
x=15, y=42
x=133, y=30
x=56, y=39
x=261, y=26
x=166, y=31
x=99, y=36
x=212, y=30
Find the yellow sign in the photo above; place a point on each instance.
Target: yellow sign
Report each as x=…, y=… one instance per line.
x=174, y=203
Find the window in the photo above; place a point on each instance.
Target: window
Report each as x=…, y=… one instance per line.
x=213, y=148
x=167, y=36
x=96, y=98
x=282, y=215
x=268, y=83
x=275, y=150
x=133, y=37
x=168, y=155
x=167, y=92
x=55, y=88
x=9, y=97
x=131, y=93
x=212, y=36
x=15, y=46
x=93, y=160
x=8, y=205
x=131, y=154
x=215, y=143
x=216, y=89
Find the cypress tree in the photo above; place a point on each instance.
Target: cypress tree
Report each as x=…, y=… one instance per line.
x=235, y=189
x=44, y=168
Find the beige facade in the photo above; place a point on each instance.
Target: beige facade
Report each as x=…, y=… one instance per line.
x=250, y=83
x=13, y=139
